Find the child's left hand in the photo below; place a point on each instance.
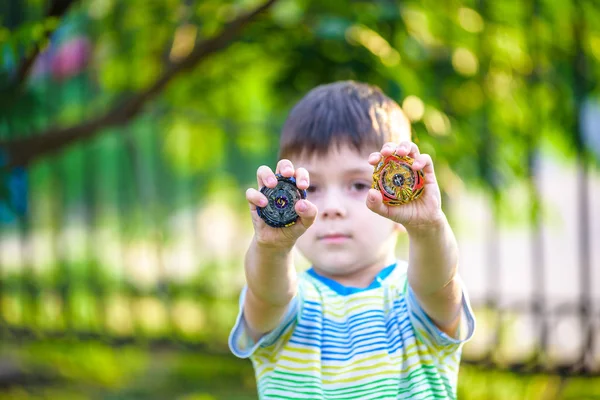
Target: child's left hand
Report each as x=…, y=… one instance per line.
x=422, y=212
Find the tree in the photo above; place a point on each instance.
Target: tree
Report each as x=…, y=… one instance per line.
x=22, y=150
x=460, y=70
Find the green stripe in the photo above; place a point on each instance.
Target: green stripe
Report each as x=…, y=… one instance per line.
x=427, y=385
x=364, y=387
x=390, y=390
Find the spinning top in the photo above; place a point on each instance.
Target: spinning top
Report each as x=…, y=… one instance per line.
x=279, y=211
x=397, y=181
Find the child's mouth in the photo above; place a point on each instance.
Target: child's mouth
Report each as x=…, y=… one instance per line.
x=334, y=238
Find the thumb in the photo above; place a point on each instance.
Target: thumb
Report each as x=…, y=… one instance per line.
x=375, y=203
x=307, y=212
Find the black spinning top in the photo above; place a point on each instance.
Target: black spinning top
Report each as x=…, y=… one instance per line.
x=279, y=211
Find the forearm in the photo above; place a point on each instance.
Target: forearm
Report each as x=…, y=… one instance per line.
x=271, y=279
x=433, y=256
x=270, y=273
x=433, y=269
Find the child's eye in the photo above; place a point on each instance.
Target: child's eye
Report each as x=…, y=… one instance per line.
x=311, y=189
x=360, y=186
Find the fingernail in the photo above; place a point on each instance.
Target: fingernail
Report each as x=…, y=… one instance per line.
x=271, y=181
x=304, y=182
x=302, y=206
x=371, y=197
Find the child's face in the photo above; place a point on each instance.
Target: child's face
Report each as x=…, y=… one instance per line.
x=346, y=237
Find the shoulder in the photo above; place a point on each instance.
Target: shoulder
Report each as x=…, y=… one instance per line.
x=398, y=278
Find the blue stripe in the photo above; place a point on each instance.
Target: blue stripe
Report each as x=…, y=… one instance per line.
x=317, y=342
x=349, y=337
x=330, y=356
x=350, y=320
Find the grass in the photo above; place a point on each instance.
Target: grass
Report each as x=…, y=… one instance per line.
x=93, y=370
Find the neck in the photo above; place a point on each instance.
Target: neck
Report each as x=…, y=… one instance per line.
x=361, y=277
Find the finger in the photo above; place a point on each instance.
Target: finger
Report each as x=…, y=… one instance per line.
x=407, y=149
x=307, y=212
x=424, y=162
x=302, y=179
x=414, y=151
x=265, y=177
x=375, y=203
x=285, y=168
x=374, y=158
x=255, y=199
x=388, y=149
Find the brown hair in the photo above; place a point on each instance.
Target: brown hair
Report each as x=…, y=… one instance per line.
x=342, y=113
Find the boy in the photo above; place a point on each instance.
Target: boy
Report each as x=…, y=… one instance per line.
x=359, y=324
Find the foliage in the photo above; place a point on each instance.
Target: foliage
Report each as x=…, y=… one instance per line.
x=485, y=83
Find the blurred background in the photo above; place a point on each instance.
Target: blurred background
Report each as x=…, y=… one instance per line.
x=129, y=131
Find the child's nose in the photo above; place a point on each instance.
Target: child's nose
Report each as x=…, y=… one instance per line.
x=333, y=205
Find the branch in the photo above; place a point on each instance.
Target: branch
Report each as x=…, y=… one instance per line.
x=57, y=9
x=22, y=151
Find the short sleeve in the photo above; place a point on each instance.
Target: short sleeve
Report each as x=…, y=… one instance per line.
x=241, y=343
x=427, y=329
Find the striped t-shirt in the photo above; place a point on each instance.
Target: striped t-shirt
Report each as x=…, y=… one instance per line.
x=338, y=342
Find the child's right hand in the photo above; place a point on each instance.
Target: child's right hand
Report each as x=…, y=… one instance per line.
x=307, y=211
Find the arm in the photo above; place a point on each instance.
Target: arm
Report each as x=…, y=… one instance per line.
x=270, y=273
x=433, y=252
x=433, y=271
x=271, y=279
